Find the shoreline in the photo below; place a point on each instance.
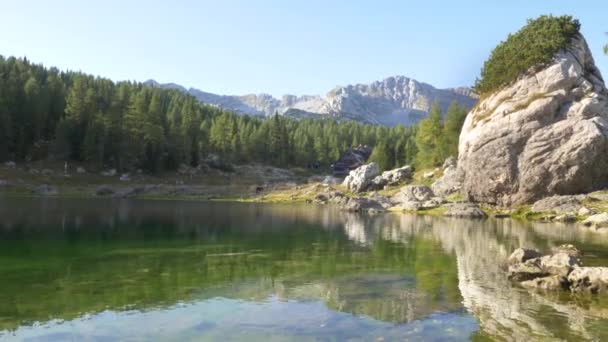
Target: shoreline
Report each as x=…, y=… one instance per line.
x=285, y=194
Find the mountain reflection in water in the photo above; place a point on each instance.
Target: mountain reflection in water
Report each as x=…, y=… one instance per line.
x=187, y=270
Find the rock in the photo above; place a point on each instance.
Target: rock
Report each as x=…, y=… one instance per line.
x=567, y=249
x=597, y=220
x=104, y=190
x=521, y=255
x=47, y=172
x=362, y=204
x=544, y=134
x=589, y=280
x=449, y=183
x=450, y=162
x=337, y=197
x=10, y=164
x=413, y=193
x=551, y=283
x=559, y=204
x=566, y=218
x=584, y=211
x=559, y=263
x=131, y=191
x=598, y=196
x=321, y=198
x=34, y=171
x=429, y=175
x=81, y=170
x=45, y=189
x=384, y=202
x=469, y=210
x=359, y=179
x=527, y=270
x=330, y=181
x=125, y=177
x=408, y=206
x=392, y=177
x=109, y=173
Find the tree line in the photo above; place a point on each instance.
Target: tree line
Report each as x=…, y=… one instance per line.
x=50, y=114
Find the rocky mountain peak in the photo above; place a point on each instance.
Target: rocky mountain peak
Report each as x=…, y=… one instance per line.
x=396, y=99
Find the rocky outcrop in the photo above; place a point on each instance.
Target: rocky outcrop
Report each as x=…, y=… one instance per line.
x=451, y=181
x=392, y=177
x=359, y=180
x=545, y=134
x=393, y=100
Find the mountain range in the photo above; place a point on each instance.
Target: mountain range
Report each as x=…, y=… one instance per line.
x=394, y=100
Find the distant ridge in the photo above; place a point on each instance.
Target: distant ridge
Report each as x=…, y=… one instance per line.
x=394, y=100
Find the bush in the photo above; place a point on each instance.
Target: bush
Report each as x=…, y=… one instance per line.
x=534, y=45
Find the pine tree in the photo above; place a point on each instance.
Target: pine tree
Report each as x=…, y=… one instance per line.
x=454, y=119
x=383, y=155
x=428, y=139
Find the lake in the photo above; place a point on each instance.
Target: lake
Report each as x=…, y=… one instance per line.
x=107, y=270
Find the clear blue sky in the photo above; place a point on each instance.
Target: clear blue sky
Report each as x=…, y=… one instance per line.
x=278, y=46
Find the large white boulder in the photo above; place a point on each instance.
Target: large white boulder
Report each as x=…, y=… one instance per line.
x=545, y=134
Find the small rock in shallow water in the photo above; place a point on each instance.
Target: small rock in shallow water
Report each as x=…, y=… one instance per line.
x=568, y=249
x=555, y=282
x=559, y=263
x=526, y=271
x=589, y=280
x=522, y=255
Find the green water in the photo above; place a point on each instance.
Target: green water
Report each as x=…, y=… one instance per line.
x=188, y=271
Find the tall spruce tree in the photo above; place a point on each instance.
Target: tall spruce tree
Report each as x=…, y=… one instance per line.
x=428, y=139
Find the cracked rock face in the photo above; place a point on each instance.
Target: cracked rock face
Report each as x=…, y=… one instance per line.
x=545, y=134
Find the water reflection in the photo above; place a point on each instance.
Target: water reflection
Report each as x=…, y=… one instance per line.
x=84, y=268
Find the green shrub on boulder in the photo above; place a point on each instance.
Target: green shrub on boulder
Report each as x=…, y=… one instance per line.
x=534, y=45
